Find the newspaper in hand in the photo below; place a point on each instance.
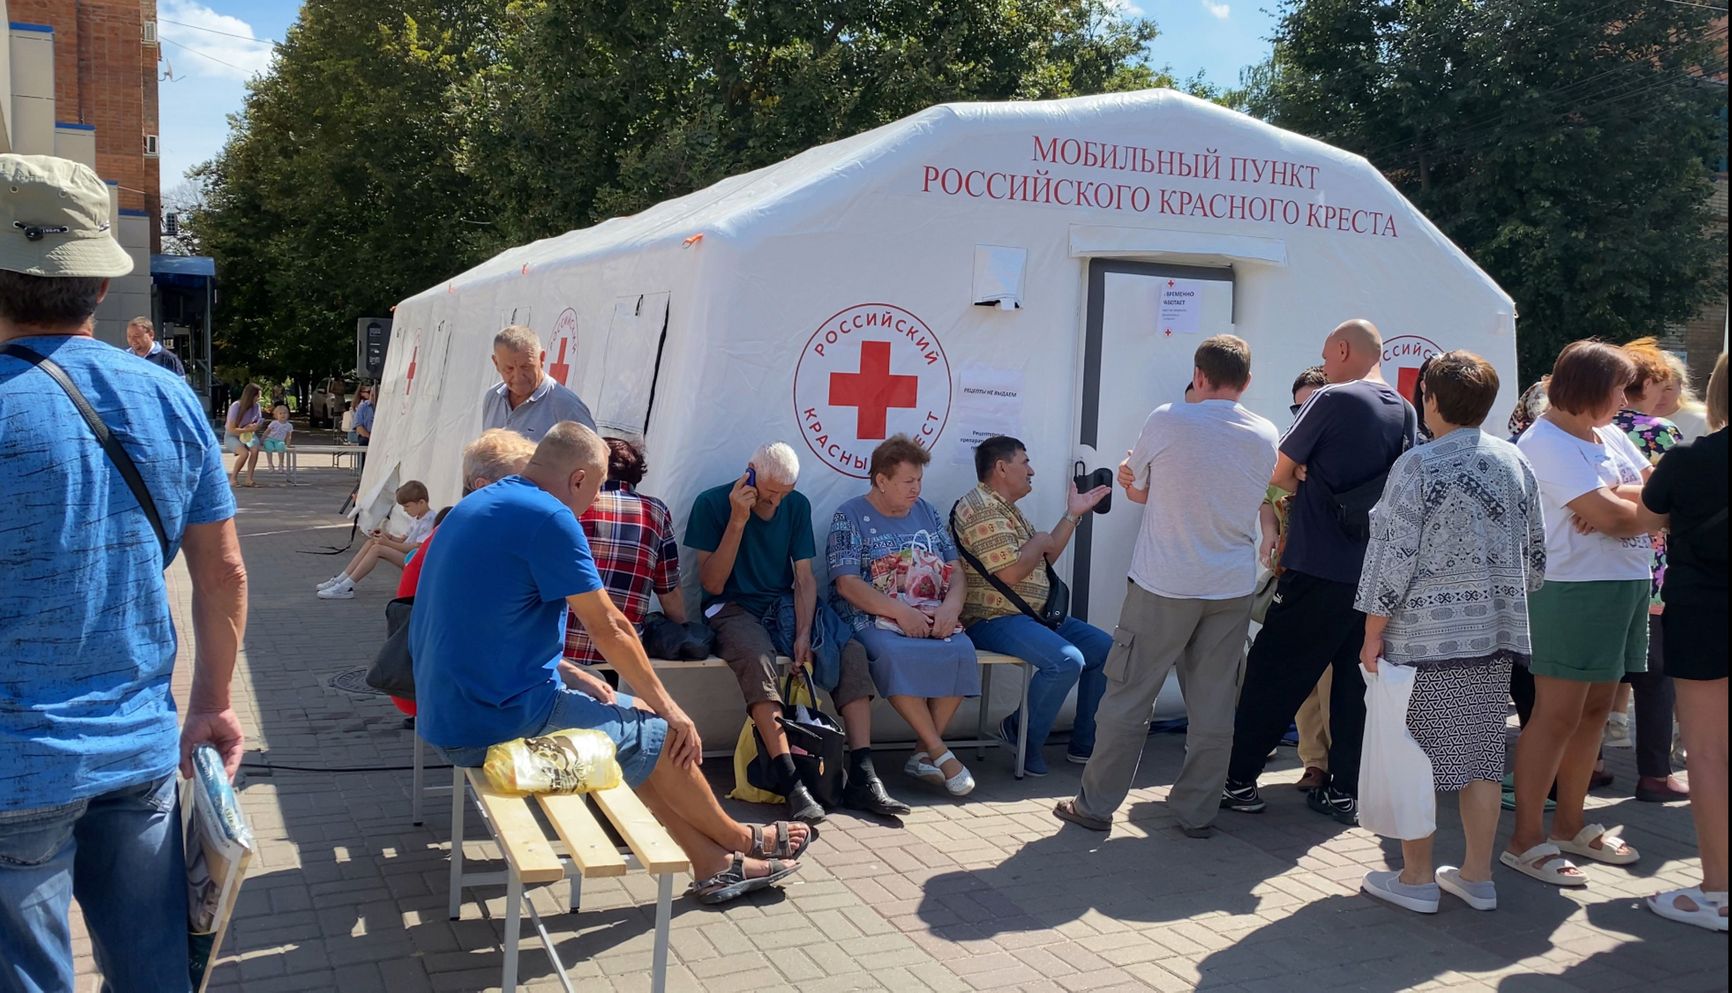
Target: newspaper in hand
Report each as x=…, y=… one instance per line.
x=219, y=844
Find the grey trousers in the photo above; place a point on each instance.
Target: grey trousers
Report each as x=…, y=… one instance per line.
x=1205, y=639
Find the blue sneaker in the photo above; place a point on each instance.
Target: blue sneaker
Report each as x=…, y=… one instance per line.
x=1032, y=763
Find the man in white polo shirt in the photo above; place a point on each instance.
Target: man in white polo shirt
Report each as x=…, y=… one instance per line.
x=1189, y=598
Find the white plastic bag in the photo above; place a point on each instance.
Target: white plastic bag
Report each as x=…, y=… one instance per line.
x=1396, y=796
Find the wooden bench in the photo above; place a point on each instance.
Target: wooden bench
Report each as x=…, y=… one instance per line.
x=579, y=849
x=983, y=737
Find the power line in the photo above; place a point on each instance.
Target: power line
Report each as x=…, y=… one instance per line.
x=202, y=55
x=225, y=34
x=1703, y=6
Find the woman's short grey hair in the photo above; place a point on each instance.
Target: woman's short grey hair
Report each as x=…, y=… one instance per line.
x=496, y=454
x=777, y=462
x=518, y=338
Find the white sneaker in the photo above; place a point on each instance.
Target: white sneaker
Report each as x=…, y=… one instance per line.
x=341, y=592
x=1618, y=732
x=327, y=584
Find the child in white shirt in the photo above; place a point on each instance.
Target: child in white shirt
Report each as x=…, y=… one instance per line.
x=412, y=497
x=277, y=435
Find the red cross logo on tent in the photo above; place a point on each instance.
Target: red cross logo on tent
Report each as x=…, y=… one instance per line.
x=560, y=369
x=873, y=390
x=1402, y=357
x=562, y=344
x=409, y=380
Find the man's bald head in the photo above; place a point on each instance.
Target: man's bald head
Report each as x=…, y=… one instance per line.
x=1352, y=351
x=570, y=463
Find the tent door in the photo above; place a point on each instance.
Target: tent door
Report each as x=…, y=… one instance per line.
x=1143, y=323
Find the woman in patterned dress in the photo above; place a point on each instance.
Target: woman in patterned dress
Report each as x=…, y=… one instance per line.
x=1650, y=400
x=1457, y=544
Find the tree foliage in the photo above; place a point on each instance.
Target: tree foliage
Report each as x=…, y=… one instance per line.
x=396, y=143
x=1568, y=146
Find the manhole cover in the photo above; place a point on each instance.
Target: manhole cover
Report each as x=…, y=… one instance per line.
x=354, y=681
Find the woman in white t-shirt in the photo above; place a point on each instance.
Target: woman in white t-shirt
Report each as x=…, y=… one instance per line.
x=1589, y=622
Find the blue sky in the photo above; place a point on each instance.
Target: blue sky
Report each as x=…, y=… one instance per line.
x=211, y=47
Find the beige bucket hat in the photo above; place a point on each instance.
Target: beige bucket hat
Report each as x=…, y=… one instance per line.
x=54, y=219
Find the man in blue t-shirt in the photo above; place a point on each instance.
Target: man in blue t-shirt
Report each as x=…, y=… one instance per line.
x=488, y=632
x=89, y=741
x=755, y=549
x=1335, y=455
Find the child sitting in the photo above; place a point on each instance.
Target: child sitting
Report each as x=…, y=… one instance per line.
x=412, y=497
x=277, y=435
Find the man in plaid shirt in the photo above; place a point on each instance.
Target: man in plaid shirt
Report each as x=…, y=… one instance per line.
x=632, y=539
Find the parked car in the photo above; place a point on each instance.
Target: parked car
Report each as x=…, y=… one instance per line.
x=328, y=404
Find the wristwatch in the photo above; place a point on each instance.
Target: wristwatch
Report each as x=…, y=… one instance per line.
x=1074, y=521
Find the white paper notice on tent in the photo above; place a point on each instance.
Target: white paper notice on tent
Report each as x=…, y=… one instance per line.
x=988, y=403
x=1181, y=307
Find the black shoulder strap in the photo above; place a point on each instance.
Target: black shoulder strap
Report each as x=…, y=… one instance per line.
x=1000, y=585
x=104, y=437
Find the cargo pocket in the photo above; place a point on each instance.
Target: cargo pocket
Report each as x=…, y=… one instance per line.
x=1119, y=658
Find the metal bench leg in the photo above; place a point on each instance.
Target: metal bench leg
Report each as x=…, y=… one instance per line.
x=1022, y=721
x=513, y=927
x=576, y=892
x=456, y=904
x=980, y=718
x=415, y=790
x=664, y=912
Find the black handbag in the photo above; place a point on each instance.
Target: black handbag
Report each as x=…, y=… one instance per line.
x=393, y=671
x=1352, y=509
x=1057, y=606
x=817, y=744
x=665, y=639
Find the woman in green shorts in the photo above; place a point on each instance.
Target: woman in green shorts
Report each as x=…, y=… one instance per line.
x=1589, y=622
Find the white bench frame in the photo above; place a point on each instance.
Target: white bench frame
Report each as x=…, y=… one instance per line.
x=622, y=807
x=981, y=741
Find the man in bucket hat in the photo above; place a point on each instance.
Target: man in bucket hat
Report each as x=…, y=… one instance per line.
x=89, y=742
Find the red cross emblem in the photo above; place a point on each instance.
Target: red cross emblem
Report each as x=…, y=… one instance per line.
x=409, y=380
x=560, y=368
x=873, y=390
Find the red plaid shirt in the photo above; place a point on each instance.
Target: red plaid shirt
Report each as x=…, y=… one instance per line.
x=632, y=539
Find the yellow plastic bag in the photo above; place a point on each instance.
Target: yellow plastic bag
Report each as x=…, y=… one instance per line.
x=575, y=761
x=746, y=751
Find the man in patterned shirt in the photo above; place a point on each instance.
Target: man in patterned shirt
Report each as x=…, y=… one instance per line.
x=632, y=539
x=992, y=532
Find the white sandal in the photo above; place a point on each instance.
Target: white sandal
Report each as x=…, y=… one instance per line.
x=1706, y=915
x=920, y=766
x=1545, y=863
x=1583, y=845
x=960, y=784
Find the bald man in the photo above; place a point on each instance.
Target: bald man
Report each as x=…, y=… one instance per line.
x=1334, y=460
x=488, y=632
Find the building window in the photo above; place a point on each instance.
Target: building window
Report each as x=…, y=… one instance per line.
x=150, y=32
x=150, y=146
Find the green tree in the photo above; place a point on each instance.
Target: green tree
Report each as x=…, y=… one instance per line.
x=337, y=193
x=1566, y=145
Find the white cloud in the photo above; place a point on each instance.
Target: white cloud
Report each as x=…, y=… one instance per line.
x=1127, y=8
x=1219, y=11
x=205, y=43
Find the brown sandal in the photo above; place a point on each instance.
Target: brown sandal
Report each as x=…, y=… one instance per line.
x=1066, y=810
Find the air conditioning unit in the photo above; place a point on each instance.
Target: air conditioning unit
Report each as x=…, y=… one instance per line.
x=150, y=32
x=151, y=146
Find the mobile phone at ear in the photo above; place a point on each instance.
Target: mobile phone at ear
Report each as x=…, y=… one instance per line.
x=751, y=476
x=1100, y=477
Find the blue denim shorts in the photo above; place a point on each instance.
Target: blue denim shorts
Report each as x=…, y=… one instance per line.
x=637, y=735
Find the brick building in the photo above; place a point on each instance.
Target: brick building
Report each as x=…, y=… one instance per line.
x=78, y=79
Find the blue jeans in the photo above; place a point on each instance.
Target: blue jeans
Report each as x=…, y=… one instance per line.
x=1072, y=655
x=120, y=853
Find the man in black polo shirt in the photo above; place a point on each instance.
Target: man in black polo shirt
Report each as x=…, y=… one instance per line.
x=1344, y=440
x=141, y=341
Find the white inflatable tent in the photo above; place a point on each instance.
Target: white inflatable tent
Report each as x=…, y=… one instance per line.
x=1038, y=269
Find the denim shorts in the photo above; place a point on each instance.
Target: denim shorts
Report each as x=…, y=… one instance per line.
x=637, y=735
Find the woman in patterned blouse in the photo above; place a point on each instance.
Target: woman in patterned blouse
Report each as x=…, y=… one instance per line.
x=1457, y=544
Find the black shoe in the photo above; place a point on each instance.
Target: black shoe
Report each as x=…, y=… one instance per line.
x=1242, y=797
x=803, y=807
x=1331, y=801
x=868, y=793
x=1206, y=831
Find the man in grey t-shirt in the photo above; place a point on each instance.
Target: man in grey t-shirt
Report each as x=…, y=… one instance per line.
x=527, y=400
x=1189, y=602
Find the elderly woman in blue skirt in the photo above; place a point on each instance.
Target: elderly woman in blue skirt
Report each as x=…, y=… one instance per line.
x=896, y=578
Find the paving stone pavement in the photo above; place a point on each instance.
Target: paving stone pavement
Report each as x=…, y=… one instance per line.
x=990, y=893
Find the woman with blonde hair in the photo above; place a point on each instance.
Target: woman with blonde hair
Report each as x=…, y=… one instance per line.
x=1688, y=494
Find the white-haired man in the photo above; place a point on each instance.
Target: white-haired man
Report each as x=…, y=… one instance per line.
x=527, y=400
x=755, y=549
x=488, y=633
